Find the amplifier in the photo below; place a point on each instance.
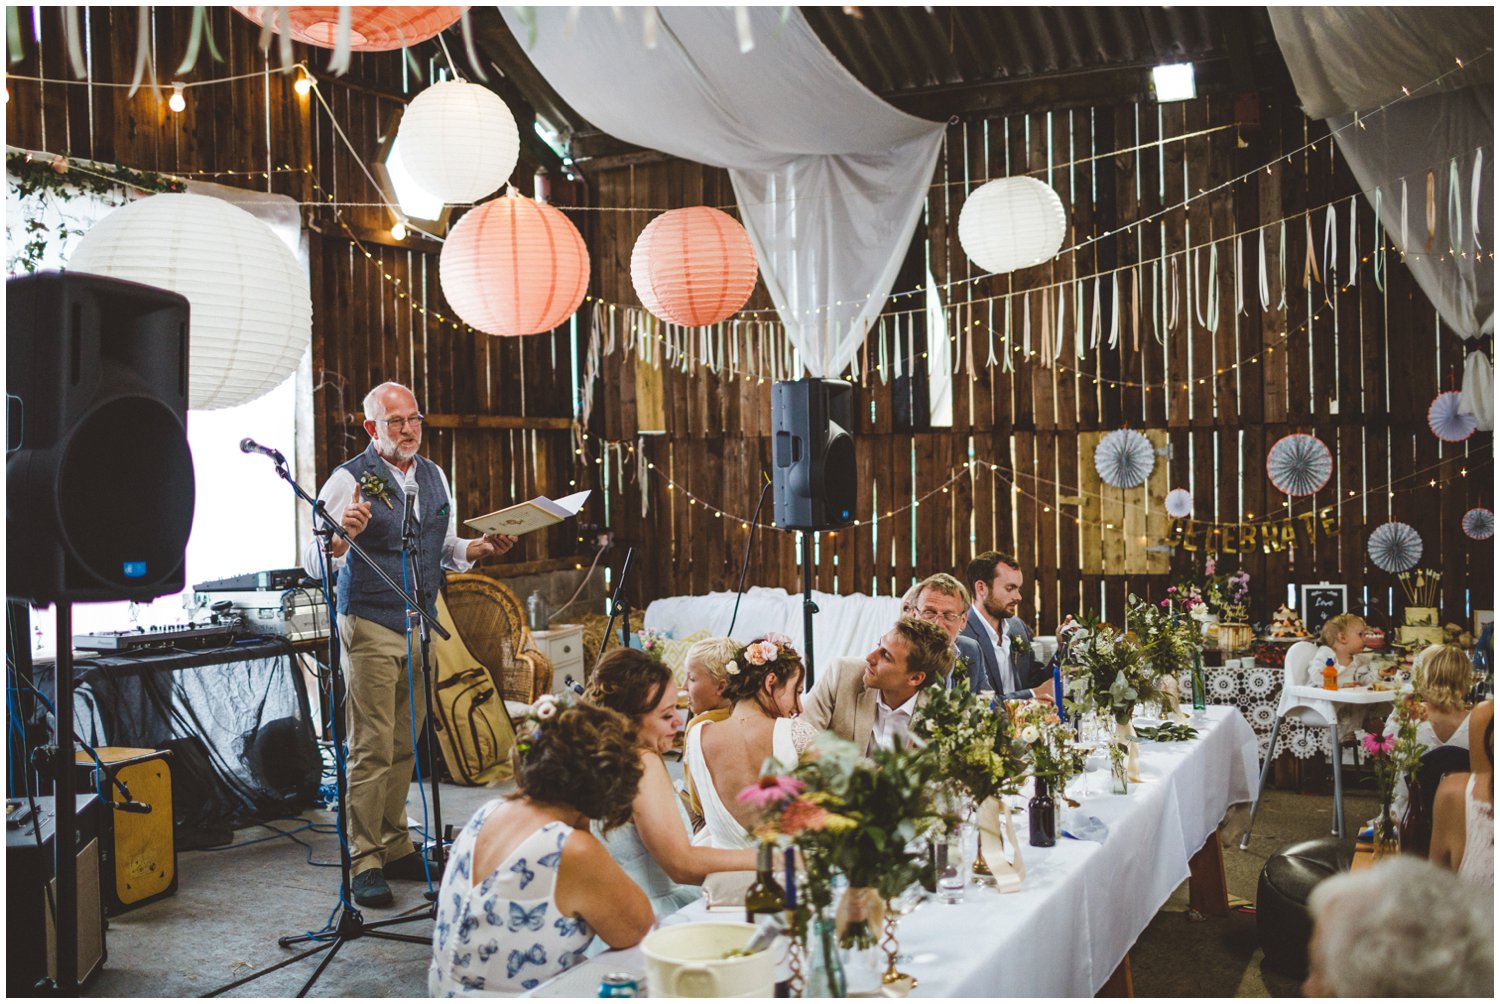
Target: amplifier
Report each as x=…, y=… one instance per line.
x=293, y=613
x=162, y=636
x=275, y=579
x=30, y=936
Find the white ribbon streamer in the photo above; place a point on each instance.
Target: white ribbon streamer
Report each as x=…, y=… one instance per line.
x=1265, y=282
x=1114, y=311
x=1474, y=196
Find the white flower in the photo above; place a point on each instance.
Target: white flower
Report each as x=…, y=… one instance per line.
x=1030, y=734
x=545, y=707
x=732, y=668
x=768, y=651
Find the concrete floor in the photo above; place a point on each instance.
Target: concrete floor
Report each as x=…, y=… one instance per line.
x=232, y=905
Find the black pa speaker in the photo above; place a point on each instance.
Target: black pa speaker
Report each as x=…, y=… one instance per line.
x=99, y=477
x=813, y=454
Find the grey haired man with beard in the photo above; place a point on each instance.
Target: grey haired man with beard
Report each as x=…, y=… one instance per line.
x=386, y=701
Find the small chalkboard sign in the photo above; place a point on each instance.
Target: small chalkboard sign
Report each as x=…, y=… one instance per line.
x=1322, y=601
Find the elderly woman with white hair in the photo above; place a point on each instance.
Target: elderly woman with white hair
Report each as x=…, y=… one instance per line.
x=1401, y=928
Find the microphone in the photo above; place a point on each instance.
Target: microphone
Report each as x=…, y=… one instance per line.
x=248, y=445
x=411, y=505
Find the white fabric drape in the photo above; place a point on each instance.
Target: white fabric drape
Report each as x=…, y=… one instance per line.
x=829, y=179
x=1350, y=61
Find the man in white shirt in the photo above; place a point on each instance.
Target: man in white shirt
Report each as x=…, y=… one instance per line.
x=871, y=701
x=1009, y=669
x=386, y=702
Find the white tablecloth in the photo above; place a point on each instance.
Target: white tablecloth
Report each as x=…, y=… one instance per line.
x=1083, y=904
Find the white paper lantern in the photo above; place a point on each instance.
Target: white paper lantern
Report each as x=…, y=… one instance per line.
x=251, y=312
x=1179, y=503
x=1011, y=223
x=458, y=141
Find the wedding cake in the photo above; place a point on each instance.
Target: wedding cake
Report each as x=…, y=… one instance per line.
x=1286, y=624
x=1421, y=627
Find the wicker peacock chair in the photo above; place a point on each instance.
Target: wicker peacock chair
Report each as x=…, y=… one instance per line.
x=489, y=616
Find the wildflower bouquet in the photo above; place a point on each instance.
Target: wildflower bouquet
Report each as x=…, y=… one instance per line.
x=1108, y=674
x=970, y=742
x=1168, y=640
x=1046, y=741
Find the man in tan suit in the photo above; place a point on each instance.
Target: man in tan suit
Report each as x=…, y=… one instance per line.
x=871, y=701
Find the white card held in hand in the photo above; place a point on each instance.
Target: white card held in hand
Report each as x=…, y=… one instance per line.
x=528, y=516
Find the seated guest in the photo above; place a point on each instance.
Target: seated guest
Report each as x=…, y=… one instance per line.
x=1400, y=928
x=654, y=847
x=1444, y=677
x=724, y=758
x=706, y=679
x=1463, y=814
x=1010, y=670
x=870, y=702
x=1343, y=641
x=528, y=886
x=942, y=600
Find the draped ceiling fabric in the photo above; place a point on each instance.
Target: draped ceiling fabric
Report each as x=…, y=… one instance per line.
x=829, y=179
x=1348, y=62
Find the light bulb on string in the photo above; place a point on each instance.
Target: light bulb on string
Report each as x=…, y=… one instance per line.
x=303, y=85
x=178, y=101
x=398, y=232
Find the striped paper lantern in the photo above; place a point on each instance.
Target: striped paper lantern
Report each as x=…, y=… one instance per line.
x=514, y=266
x=693, y=266
x=251, y=318
x=371, y=29
x=458, y=141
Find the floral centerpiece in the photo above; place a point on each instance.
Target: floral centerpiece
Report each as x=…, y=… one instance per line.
x=970, y=742
x=1393, y=753
x=1046, y=742
x=1170, y=641
x=653, y=640
x=1108, y=674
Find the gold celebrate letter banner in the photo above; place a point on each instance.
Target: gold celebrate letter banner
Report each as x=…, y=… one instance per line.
x=1246, y=538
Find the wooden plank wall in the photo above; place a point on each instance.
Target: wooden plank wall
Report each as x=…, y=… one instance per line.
x=1217, y=399
x=499, y=409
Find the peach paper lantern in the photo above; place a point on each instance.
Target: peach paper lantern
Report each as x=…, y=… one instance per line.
x=514, y=266
x=371, y=29
x=693, y=266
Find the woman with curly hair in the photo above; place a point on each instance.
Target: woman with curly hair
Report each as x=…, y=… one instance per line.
x=654, y=847
x=527, y=885
x=724, y=758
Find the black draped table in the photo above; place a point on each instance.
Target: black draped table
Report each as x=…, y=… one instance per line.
x=236, y=720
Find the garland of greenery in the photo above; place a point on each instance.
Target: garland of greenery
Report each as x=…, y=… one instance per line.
x=38, y=183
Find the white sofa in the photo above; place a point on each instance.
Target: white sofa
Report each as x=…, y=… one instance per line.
x=843, y=625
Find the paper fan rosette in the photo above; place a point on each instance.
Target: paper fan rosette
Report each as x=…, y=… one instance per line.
x=1395, y=547
x=1446, y=421
x=1179, y=503
x=1479, y=524
x=1124, y=458
x=1299, y=464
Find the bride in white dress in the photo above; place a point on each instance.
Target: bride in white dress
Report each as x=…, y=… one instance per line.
x=726, y=757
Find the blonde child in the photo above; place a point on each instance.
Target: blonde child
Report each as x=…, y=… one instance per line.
x=706, y=679
x=1343, y=641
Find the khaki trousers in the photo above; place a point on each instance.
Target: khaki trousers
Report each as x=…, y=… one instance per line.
x=379, y=717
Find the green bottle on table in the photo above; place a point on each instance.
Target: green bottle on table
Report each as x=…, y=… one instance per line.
x=1200, y=699
x=765, y=894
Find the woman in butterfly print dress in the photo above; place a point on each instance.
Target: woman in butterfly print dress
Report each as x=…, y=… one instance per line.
x=655, y=848
x=528, y=886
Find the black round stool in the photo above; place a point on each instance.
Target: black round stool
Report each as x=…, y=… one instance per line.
x=1286, y=881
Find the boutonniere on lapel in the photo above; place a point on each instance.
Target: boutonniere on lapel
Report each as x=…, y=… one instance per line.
x=445, y=510
x=376, y=487
x=963, y=666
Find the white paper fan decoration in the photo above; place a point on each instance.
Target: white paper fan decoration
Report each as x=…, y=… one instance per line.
x=1299, y=464
x=1124, y=458
x=1479, y=524
x=1395, y=547
x=1179, y=503
x=1445, y=420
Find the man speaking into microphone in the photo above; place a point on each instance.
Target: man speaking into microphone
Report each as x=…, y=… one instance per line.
x=375, y=497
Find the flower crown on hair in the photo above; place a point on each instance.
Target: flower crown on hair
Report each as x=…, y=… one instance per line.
x=545, y=709
x=773, y=648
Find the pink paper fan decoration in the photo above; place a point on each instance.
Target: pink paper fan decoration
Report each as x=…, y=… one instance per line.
x=1179, y=503
x=1446, y=421
x=1479, y=524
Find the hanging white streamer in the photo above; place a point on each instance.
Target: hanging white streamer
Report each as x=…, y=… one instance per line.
x=1353, y=274
x=1281, y=265
x=1455, y=207
x=1096, y=322
x=1265, y=282
x=1195, y=290
x=1213, y=287
x=1474, y=196
x=1330, y=240
x=1008, y=365
x=1060, y=319
x=1078, y=318
x=1239, y=277
x=1172, y=282
x=640, y=475
x=338, y=63
x=1026, y=324
x=1404, y=244
x=73, y=31
x=1377, y=256
x=1114, y=312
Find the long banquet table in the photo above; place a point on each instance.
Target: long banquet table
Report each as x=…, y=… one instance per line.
x=1082, y=905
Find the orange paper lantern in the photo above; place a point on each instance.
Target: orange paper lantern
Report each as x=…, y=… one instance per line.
x=371, y=29
x=514, y=266
x=693, y=266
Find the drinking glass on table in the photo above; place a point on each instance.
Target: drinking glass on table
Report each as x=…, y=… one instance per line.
x=956, y=851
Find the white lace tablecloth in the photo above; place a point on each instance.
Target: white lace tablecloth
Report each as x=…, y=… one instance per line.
x=1083, y=904
x=1256, y=692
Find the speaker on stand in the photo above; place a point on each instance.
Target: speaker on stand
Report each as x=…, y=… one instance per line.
x=813, y=471
x=99, y=479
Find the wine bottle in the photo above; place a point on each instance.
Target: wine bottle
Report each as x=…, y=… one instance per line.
x=765, y=895
x=1042, y=814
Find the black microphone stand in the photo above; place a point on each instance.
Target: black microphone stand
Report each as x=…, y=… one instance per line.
x=618, y=604
x=435, y=853
x=349, y=923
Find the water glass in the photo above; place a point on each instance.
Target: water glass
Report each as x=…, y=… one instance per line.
x=956, y=852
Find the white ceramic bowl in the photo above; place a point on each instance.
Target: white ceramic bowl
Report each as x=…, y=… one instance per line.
x=687, y=960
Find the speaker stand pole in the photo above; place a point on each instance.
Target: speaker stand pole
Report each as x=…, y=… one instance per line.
x=619, y=605
x=65, y=832
x=434, y=854
x=808, y=606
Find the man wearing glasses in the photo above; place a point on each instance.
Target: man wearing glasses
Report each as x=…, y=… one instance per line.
x=942, y=600
x=386, y=701
x=1009, y=668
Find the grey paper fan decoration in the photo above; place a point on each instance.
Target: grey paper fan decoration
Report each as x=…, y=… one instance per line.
x=1479, y=524
x=1446, y=421
x=1395, y=547
x=1299, y=464
x=1179, y=503
x=1124, y=458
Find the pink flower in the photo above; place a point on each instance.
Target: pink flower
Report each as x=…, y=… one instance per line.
x=771, y=790
x=800, y=815
x=1166, y=603
x=1171, y=589
x=1379, y=745
x=1209, y=566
